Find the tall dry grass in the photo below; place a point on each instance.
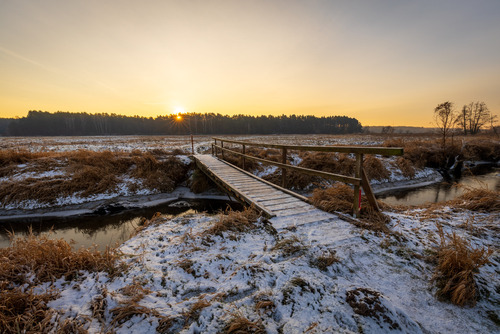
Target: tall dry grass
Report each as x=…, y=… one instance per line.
x=85, y=173
x=31, y=260
x=34, y=259
x=457, y=263
x=430, y=152
x=340, y=197
x=24, y=311
x=478, y=199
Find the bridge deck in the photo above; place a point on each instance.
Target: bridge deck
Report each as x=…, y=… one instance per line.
x=272, y=200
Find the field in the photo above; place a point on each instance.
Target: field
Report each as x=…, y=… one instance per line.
x=428, y=269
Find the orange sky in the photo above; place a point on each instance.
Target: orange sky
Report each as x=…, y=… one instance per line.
x=383, y=62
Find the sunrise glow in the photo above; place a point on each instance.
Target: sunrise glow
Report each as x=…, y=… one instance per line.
x=384, y=62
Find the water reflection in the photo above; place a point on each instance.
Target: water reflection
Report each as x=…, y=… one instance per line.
x=440, y=192
x=106, y=230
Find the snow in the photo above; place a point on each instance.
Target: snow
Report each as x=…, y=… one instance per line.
x=385, y=273
x=233, y=272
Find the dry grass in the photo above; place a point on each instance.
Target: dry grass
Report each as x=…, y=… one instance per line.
x=325, y=260
x=135, y=291
x=375, y=169
x=478, y=199
x=200, y=182
x=71, y=326
x=482, y=150
x=234, y=221
x=160, y=175
x=126, y=310
x=340, y=197
x=98, y=306
x=406, y=167
x=289, y=246
x=250, y=165
x=457, y=263
x=426, y=153
x=264, y=303
x=194, y=312
x=48, y=259
x=85, y=173
x=238, y=324
x=24, y=311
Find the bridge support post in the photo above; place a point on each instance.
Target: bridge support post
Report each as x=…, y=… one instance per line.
x=357, y=190
x=243, y=158
x=283, y=170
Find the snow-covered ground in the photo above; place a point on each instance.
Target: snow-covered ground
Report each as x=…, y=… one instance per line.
x=188, y=281
x=381, y=282
x=202, y=144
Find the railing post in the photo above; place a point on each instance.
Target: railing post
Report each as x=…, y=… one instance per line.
x=216, y=149
x=357, y=189
x=192, y=145
x=222, y=149
x=283, y=170
x=243, y=158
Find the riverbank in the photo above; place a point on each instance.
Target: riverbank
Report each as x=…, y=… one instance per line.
x=200, y=273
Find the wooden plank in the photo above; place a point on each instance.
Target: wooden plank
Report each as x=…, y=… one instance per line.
x=275, y=207
x=282, y=200
x=289, y=212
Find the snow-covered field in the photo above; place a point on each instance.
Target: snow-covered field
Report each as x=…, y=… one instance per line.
x=192, y=282
x=130, y=186
x=187, y=281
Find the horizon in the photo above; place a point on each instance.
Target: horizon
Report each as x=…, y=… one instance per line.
x=189, y=112
x=385, y=64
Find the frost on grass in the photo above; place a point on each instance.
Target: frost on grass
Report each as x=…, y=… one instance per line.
x=233, y=272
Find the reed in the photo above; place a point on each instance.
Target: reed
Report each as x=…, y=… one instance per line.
x=457, y=264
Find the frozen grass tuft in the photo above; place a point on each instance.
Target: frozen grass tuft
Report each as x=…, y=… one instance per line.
x=325, y=260
x=238, y=324
x=457, y=263
x=234, y=221
x=290, y=246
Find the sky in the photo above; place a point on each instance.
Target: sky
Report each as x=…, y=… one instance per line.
x=384, y=62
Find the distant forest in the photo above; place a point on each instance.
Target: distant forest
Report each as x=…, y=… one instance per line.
x=40, y=123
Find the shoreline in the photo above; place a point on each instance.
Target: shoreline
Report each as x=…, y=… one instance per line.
x=121, y=203
x=125, y=203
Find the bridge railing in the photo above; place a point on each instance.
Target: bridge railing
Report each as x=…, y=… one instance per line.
x=359, y=181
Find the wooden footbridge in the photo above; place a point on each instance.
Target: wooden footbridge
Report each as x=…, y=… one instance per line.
x=277, y=201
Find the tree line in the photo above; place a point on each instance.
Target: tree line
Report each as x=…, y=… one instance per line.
x=42, y=123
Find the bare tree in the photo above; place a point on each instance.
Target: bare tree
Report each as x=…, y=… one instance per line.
x=445, y=118
x=463, y=119
x=479, y=115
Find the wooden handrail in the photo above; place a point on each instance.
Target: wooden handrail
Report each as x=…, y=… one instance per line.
x=338, y=149
x=359, y=181
x=326, y=175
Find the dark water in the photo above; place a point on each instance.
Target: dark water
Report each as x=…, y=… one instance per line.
x=106, y=230
x=442, y=191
